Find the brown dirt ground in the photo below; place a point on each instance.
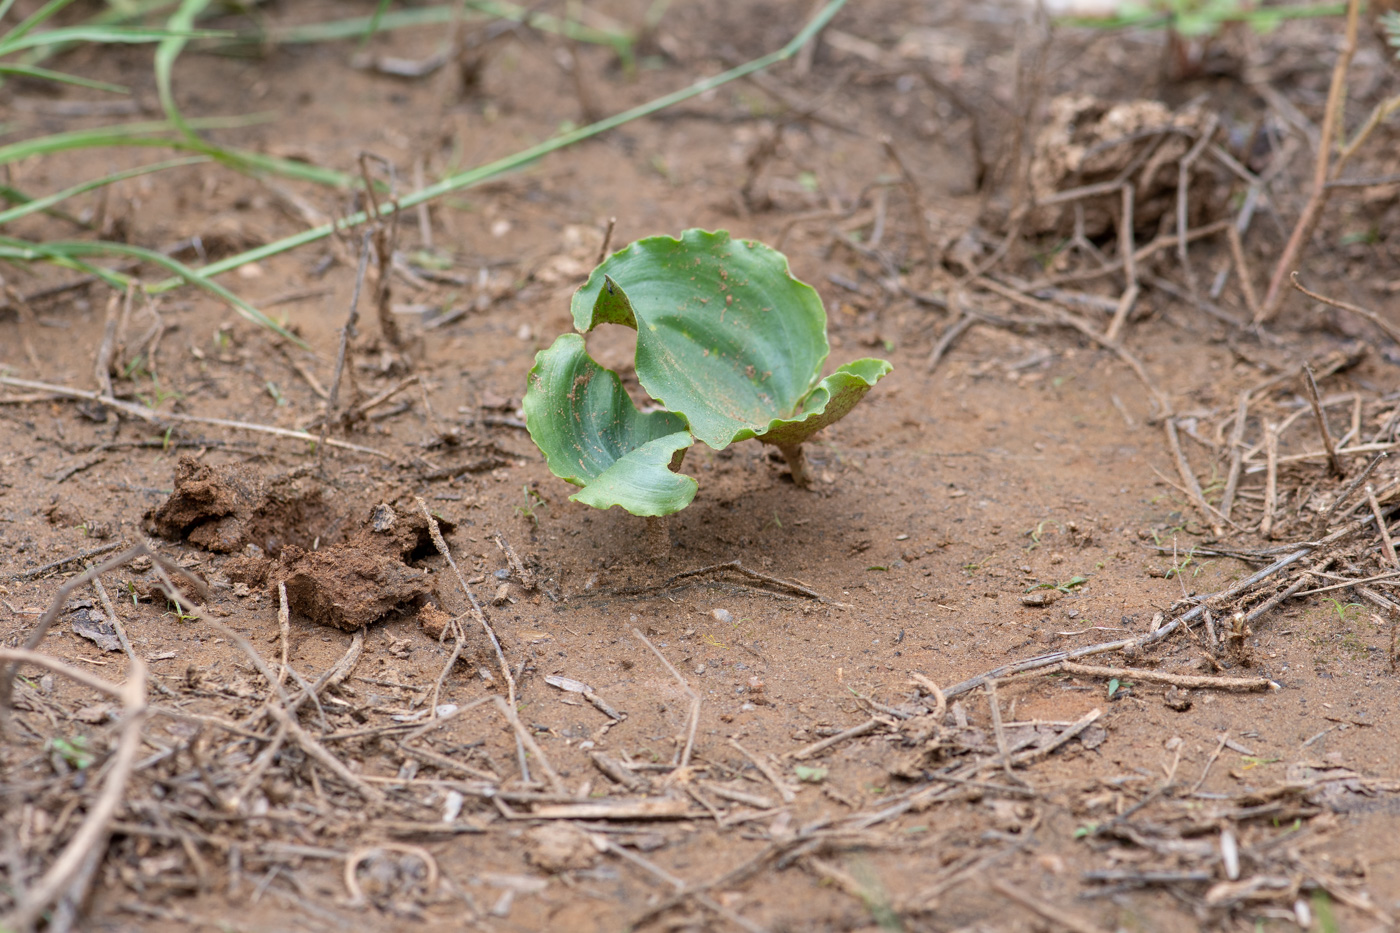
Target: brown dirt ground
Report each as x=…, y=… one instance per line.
x=1027, y=457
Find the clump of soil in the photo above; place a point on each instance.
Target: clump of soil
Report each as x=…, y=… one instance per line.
x=364, y=579
x=225, y=508
x=274, y=522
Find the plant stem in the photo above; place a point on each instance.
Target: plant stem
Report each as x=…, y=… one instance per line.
x=797, y=463
x=658, y=538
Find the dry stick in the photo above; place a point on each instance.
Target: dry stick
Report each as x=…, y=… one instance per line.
x=346, y=333
x=385, y=235
x=739, y=568
x=1232, y=481
x=476, y=611
x=940, y=702
x=60, y=597
x=694, y=718
x=1151, y=638
x=324, y=758
x=1335, y=461
x=607, y=242
x=1386, y=544
x=92, y=834
x=1317, y=199
x=1266, y=524
x=1193, y=487
x=353, y=860
x=284, y=624
x=1251, y=300
x=784, y=791
x=1389, y=329
x=1189, y=681
x=916, y=200
x=950, y=334
x=1049, y=912
x=1127, y=248
x=111, y=611
x=998, y=729
x=1066, y=318
x=870, y=725
x=681, y=887
x=102, y=367
x=1183, y=180
x=155, y=417
x=1351, y=487
x=425, y=220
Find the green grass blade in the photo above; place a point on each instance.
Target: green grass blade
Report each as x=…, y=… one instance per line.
x=72, y=250
x=45, y=74
x=153, y=134
x=375, y=20
x=490, y=170
x=39, y=204
x=103, y=35
x=166, y=53
x=38, y=17
x=360, y=27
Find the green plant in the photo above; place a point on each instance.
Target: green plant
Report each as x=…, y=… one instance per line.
x=728, y=343
x=1203, y=17
x=1343, y=610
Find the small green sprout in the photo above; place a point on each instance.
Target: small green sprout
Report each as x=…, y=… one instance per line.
x=729, y=345
x=1343, y=610
x=74, y=751
x=809, y=774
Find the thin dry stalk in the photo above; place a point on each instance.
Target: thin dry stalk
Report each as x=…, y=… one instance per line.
x=1036, y=906
x=1242, y=271
x=940, y=702
x=1232, y=481
x=1266, y=524
x=1163, y=405
x=1351, y=487
x=916, y=200
x=46, y=621
x=816, y=748
x=607, y=242
x=1127, y=249
x=1386, y=544
x=1317, y=199
x=960, y=325
x=1333, y=460
x=154, y=417
x=693, y=720
x=436, y=533
x=1186, y=681
x=1193, y=487
x=284, y=624
x=1224, y=597
x=1390, y=330
x=1183, y=181
x=346, y=333
x=92, y=834
x=354, y=859
x=781, y=786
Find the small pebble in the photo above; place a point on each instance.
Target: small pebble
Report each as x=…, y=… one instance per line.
x=699, y=668
x=722, y=615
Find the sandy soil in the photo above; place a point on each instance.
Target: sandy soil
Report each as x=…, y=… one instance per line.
x=1019, y=499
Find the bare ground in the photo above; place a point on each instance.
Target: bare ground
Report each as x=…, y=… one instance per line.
x=1020, y=498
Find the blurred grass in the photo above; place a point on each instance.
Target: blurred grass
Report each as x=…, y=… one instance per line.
x=37, y=39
